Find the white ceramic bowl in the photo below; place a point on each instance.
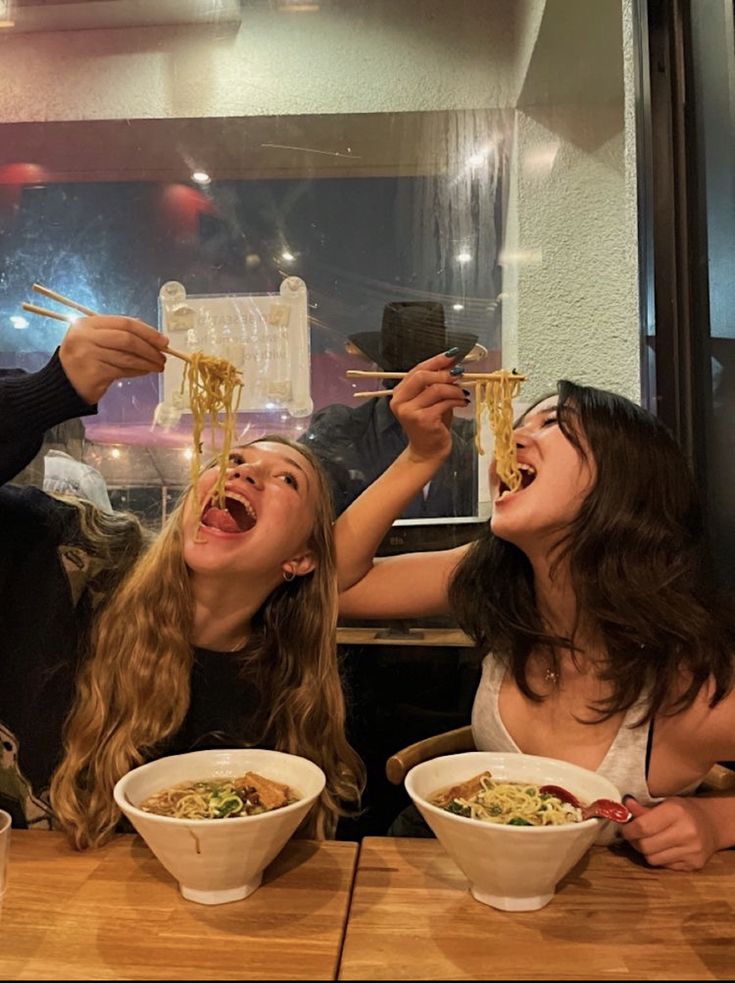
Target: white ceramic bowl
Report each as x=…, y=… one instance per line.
x=219, y=860
x=514, y=868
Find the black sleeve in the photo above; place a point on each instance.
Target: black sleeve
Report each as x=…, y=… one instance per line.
x=31, y=403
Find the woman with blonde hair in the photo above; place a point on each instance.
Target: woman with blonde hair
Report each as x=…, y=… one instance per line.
x=220, y=633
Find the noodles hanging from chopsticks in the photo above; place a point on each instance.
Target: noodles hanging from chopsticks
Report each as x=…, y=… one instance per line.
x=214, y=387
x=496, y=395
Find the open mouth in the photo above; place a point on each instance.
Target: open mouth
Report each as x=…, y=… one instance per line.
x=237, y=516
x=528, y=476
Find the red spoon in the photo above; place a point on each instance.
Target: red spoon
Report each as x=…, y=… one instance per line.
x=616, y=812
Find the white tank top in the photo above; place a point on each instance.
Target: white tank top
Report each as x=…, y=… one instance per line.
x=624, y=764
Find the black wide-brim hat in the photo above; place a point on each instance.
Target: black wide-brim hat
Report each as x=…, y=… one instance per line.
x=411, y=332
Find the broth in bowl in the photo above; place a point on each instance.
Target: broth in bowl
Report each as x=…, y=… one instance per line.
x=249, y=795
x=505, y=803
x=488, y=811
x=213, y=832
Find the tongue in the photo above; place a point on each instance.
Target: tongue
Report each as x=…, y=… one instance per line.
x=220, y=519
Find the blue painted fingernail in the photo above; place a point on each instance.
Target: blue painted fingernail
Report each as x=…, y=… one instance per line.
x=452, y=352
x=456, y=370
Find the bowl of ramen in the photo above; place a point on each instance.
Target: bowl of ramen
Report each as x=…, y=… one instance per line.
x=509, y=835
x=216, y=819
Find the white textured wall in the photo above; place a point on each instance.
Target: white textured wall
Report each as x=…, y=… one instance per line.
x=390, y=56
x=567, y=277
x=630, y=304
x=528, y=15
x=570, y=263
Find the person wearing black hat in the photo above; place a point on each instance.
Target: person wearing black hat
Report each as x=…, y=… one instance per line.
x=355, y=445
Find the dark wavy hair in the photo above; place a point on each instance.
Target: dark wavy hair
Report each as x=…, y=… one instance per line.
x=638, y=565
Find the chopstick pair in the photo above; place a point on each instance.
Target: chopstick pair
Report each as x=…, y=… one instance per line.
x=467, y=378
x=68, y=302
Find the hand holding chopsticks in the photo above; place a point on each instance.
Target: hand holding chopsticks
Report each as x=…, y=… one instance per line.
x=69, y=318
x=99, y=349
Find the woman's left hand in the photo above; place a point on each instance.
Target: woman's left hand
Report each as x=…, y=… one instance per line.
x=678, y=834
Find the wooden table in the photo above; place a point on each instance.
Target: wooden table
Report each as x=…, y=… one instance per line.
x=412, y=918
x=115, y=913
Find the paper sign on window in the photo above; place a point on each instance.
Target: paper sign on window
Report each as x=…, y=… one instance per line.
x=266, y=336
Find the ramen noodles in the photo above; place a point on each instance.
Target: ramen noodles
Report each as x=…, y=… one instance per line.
x=495, y=395
x=505, y=803
x=214, y=388
x=220, y=798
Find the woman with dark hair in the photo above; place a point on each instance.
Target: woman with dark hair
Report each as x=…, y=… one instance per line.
x=219, y=633
x=590, y=589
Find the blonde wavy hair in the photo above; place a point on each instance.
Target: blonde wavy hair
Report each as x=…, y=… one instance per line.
x=133, y=690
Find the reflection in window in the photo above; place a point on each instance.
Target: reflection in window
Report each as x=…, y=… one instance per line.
x=424, y=229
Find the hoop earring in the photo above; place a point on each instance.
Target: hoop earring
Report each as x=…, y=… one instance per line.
x=288, y=578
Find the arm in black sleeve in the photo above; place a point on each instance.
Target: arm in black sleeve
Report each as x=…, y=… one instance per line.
x=30, y=404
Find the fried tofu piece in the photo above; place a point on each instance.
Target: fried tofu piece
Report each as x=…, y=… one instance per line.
x=465, y=790
x=272, y=795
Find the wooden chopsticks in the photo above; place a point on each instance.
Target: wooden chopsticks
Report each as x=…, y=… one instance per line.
x=68, y=302
x=477, y=376
x=467, y=378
